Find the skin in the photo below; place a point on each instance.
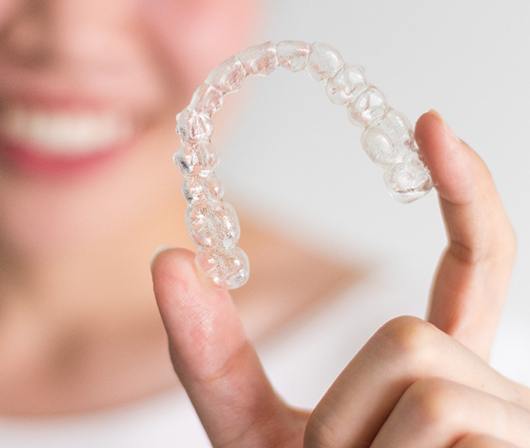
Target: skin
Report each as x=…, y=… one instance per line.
x=415, y=383
x=79, y=328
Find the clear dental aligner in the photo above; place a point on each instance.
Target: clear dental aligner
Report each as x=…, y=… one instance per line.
x=387, y=138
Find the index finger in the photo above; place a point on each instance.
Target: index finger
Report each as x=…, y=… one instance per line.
x=473, y=274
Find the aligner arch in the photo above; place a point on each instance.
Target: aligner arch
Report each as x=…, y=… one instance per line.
x=387, y=138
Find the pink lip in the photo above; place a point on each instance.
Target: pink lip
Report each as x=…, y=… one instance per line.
x=26, y=159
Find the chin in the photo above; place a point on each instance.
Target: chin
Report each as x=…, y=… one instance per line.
x=47, y=216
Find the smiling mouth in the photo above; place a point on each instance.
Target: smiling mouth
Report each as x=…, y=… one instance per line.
x=54, y=140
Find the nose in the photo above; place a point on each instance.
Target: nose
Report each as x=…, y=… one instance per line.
x=42, y=31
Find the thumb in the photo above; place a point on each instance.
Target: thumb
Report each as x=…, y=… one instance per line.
x=213, y=358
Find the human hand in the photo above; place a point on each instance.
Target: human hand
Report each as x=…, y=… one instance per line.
x=413, y=384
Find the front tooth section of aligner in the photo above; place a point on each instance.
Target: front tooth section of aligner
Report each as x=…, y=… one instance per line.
x=293, y=54
x=260, y=59
x=324, y=61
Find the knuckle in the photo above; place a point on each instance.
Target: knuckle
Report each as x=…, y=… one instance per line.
x=478, y=441
x=433, y=402
x=410, y=340
x=498, y=244
x=467, y=254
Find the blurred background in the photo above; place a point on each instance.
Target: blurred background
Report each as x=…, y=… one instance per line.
x=309, y=176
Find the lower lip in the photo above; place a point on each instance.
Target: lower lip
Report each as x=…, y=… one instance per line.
x=26, y=159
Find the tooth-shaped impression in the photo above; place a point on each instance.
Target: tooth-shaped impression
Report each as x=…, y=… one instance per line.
x=324, y=61
x=207, y=99
x=213, y=223
x=228, y=269
x=260, y=59
x=196, y=188
x=196, y=159
x=293, y=54
x=193, y=126
x=387, y=138
x=408, y=180
x=368, y=107
x=228, y=76
x=346, y=85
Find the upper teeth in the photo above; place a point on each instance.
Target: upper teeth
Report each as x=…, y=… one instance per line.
x=61, y=132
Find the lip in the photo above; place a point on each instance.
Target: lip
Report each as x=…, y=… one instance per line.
x=29, y=158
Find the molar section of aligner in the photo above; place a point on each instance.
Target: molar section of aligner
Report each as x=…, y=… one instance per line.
x=228, y=77
x=368, y=107
x=213, y=224
x=408, y=180
x=228, y=268
x=346, y=85
x=388, y=140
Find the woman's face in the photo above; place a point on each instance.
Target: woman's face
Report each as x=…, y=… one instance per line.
x=88, y=94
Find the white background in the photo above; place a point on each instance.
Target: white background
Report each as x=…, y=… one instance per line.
x=294, y=155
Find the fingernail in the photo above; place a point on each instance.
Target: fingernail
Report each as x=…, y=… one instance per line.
x=159, y=249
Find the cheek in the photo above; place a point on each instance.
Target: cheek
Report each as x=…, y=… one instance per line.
x=197, y=35
x=7, y=7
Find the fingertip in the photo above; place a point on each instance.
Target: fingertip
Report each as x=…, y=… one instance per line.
x=200, y=318
x=170, y=266
x=446, y=156
x=434, y=136
x=175, y=264
x=179, y=286
x=170, y=271
x=192, y=309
